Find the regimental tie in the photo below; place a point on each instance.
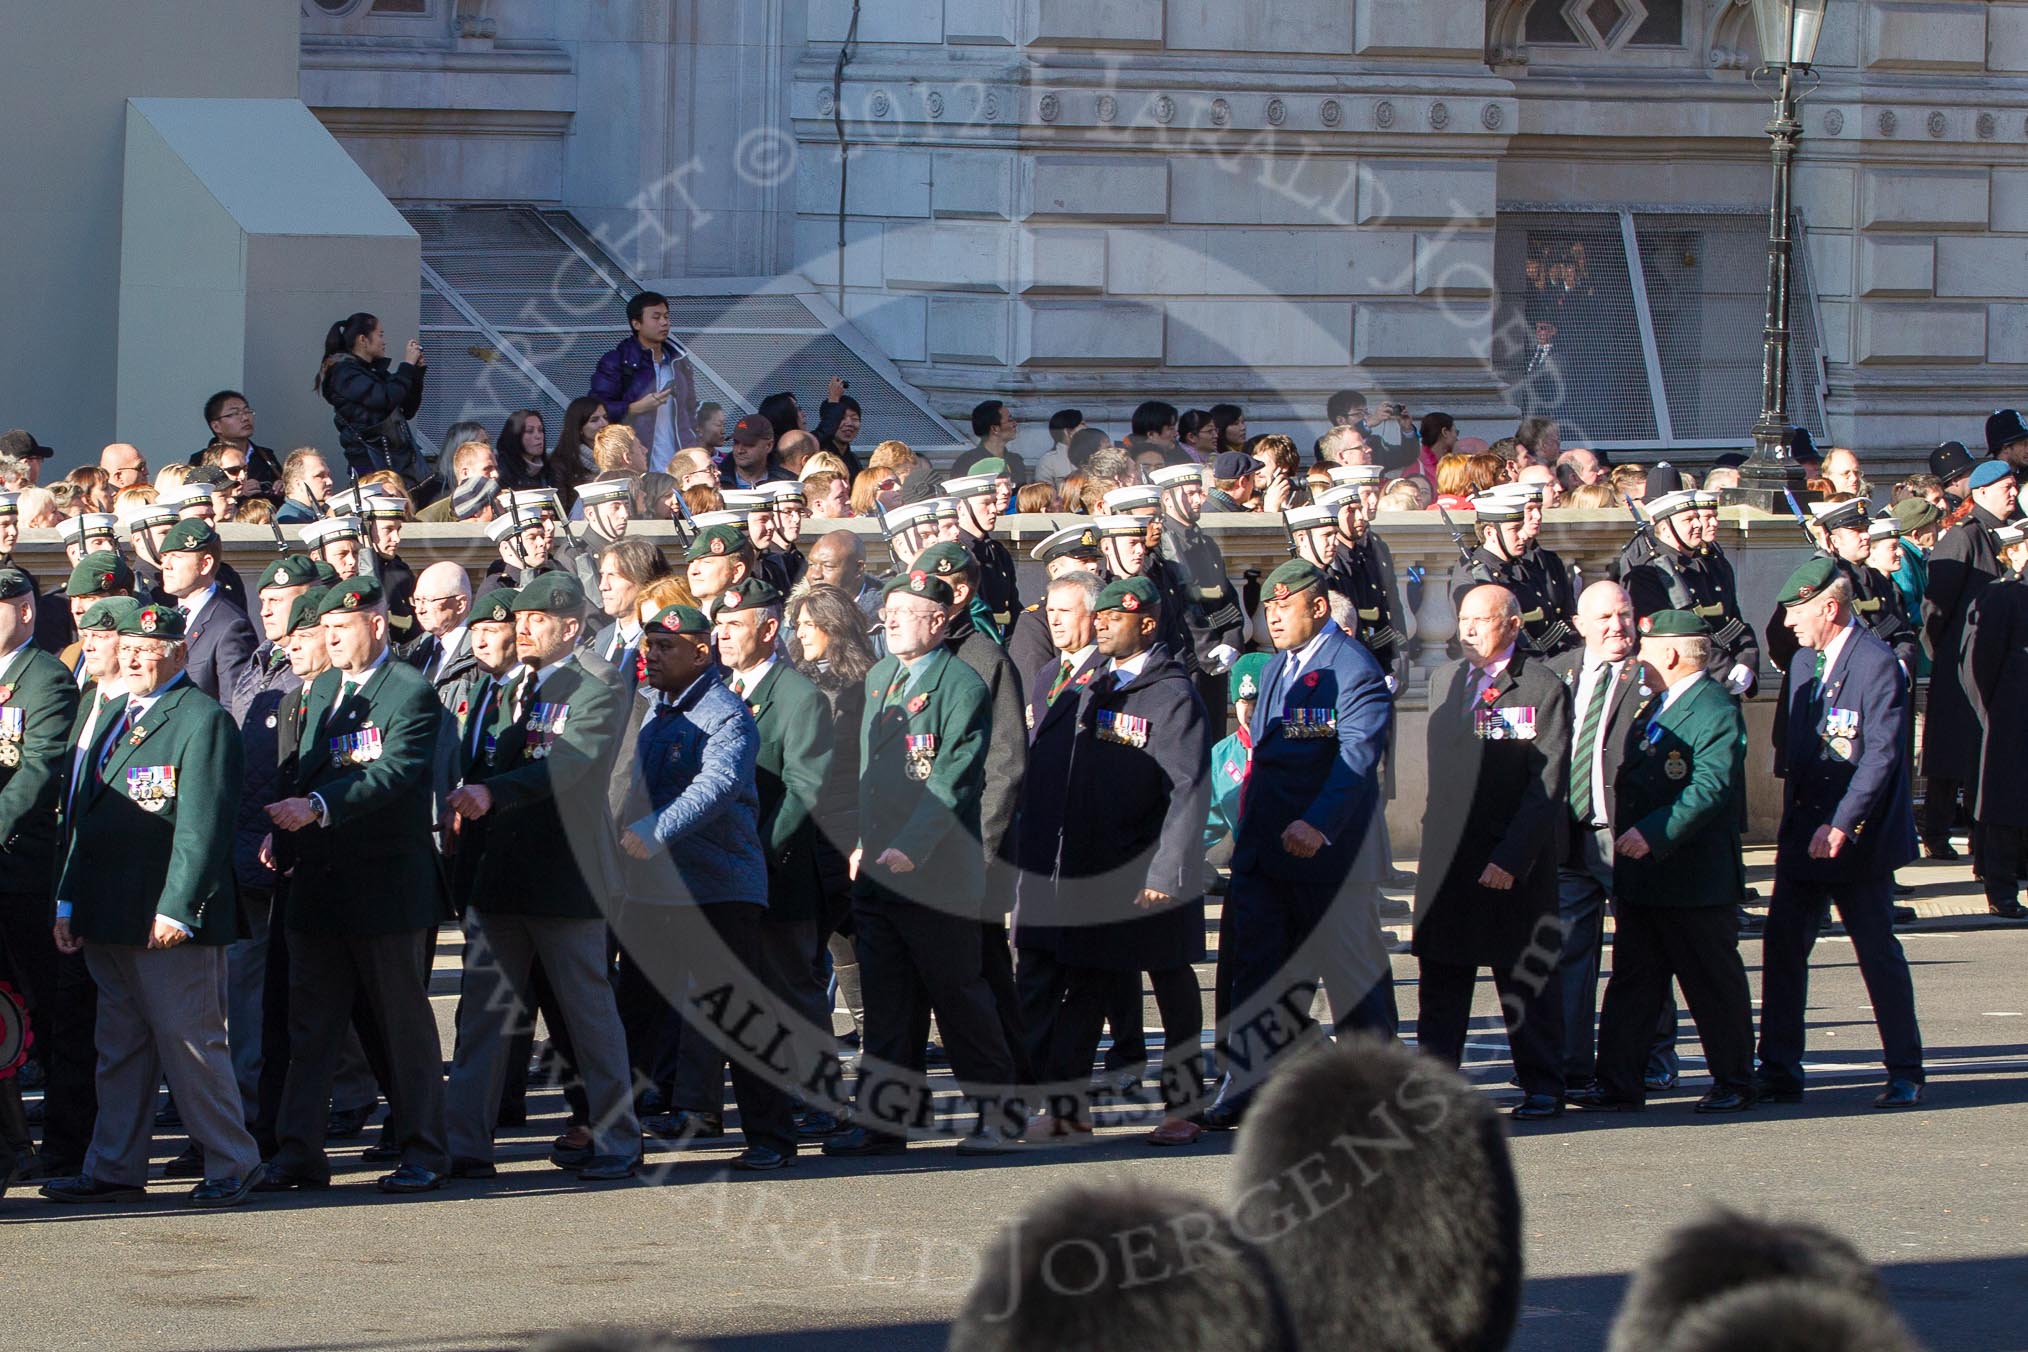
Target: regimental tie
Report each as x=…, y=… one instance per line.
x=1063, y=674
x=1587, y=744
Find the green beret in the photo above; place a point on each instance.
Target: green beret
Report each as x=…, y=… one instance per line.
x=353, y=594
x=1130, y=594
x=98, y=574
x=992, y=464
x=555, y=593
x=326, y=575
x=945, y=558
x=154, y=620
x=291, y=570
x=677, y=620
x=189, y=534
x=919, y=583
x=1913, y=514
x=1248, y=675
x=716, y=540
x=495, y=607
x=106, y=612
x=1674, y=624
x=303, y=611
x=749, y=593
x=1808, y=580
x=14, y=584
x=1294, y=576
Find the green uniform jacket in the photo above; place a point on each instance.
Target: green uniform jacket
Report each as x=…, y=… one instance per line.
x=373, y=869
x=1681, y=786
x=151, y=833
x=32, y=785
x=1229, y=762
x=933, y=820
x=548, y=844
x=797, y=739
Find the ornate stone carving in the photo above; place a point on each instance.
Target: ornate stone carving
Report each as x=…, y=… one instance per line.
x=1277, y=112
x=1439, y=115
x=935, y=100
x=1938, y=124
x=1221, y=113
x=1492, y=115
x=1108, y=108
x=1988, y=126
x=1888, y=122
x=1504, y=27
x=881, y=104
x=1834, y=122
x=1165, y=110
x=1383, y=114
x=989, y=106
x=1050, y=107
x=1331, y=113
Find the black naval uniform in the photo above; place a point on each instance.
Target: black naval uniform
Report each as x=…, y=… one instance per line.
x=997, y=585
x=1677, y=579
x=1364, y=571
x=781, y=569
x=1964, y=563
x=1211, y=614
x=1541, y=582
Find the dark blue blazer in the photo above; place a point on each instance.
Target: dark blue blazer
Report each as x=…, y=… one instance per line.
x=1852, y=774
x=1331, y=782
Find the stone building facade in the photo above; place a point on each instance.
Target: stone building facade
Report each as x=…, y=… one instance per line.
x=1091, y=201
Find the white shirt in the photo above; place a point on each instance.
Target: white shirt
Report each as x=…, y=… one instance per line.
x=1130, y=668
x=1299, y=658
x=136, y=707
x=1677, y=691
x=662, y=447
x=1078, y=658
x=447, y=643
x=750, y=679
x=1587, y=682
x=194, y=603
x=1837, y=645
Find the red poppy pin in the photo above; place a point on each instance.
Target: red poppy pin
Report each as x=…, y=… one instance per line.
x=1085, y=679
x=461, y=708
x=918, y=704
x=1647, y=624
x=1492, y=696
x=1281, y=591
x=916, y=580
x=1130, y=602
x=1311, y=680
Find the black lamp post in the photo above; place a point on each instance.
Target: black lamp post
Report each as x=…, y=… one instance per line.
x=1789, y=30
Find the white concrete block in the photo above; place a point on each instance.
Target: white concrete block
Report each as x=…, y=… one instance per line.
x=1418, y=28
x=949, y=256
x=973, y=332
x=1831, y=262
x=1071, y=333
x=1454, y=264
x=1259, y=333
x=1923, y=199
x=1892, y=333
x=1946, y=36
x=1309, y=27
x=1263, y=262
x=2009, y=205
x=2007, y=37
x=899, y=325
x=887, y=21
x=1456, y=333
x=2007, y=334
x=816, y=246
x=1098, y=188
x=972, y=183
x=1895, y=267
x=1258, y=190
x=1825, y=194
x=1092, y=23
x=1062, y=261
x=1425, y=193
x=885, y=181
x=986, y=23
x=1157, y=262
x=1836, y=316
x=1989, y=265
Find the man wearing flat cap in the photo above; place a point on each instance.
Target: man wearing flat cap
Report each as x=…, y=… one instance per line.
x=1677, y=805
x=221, y=643
x=1846, y=825
x=365, y=895
x=1961, y=567
x=146, y=890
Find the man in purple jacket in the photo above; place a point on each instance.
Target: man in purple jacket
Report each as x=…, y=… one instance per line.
x=646, y=382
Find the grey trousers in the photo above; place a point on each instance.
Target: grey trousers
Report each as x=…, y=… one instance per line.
x=159, y=1012
x=499, y=951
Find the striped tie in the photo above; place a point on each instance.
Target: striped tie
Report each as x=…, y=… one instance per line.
x=1062, y=680
x=1587, y=746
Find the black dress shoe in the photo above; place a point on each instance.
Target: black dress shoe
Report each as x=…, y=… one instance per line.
x=471, y=1168
x=1661, y=1082
x=1906, y=915
x=1724, y=1101
x=85, y=1188
x=610, y=1168
x=226, y=1191
x=1940, y=849
x=817, y=1123
x=411, y=1178
x=2007, y=910
x=1537, y=1108
x=685, y=1125
x=856, y=1142
x=167, y=1118
x=1592, y=1099
x=652, y=1102
x=189, y=1164
x=1750, y=923
x=1224, y=1115
x=571, y=1158
x=346, y=1123
x=1899, y=1094
x=278, y=1180
x=1769, y=1091
x=761, y=1159
x=386, y=1150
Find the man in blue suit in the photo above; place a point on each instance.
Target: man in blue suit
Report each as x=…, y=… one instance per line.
x=1313, y=794
x=1847, y=824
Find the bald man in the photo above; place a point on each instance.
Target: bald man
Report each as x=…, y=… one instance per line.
x=838, y=559
x=124, y=465
x=443, y=651
x=792, y=448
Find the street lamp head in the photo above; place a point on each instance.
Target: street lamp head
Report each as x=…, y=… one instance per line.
x=1789, y=30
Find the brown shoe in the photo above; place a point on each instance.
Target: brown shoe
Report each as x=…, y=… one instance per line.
x=1175, y=1131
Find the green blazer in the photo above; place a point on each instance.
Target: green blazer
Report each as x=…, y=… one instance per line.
x=33, y=773
x=151, y=833
x=797, y=739
x=373, y=869
x=933, y=820
x=1681, y=785
x=547, y=846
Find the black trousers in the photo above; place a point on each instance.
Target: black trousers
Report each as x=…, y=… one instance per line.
x=1532, y=1011
x=328, y=973
x=788, y=967
x=996, y=964
x=683, y=949
x=915, y=961
x=1039, y=984
x=1939, y=808
x=1698, y=947
x=1997, y=849
x=1794, y=914
x=63, y=1003
x=1091, y=992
